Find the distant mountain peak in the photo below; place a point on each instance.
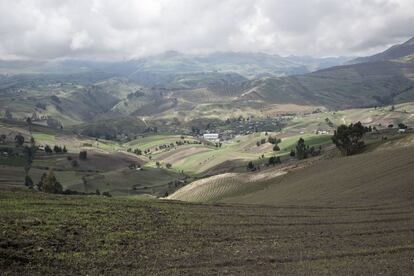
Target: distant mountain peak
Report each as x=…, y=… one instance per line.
x=410, y=42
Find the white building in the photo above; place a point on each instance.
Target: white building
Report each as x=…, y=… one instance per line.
x=211, y=136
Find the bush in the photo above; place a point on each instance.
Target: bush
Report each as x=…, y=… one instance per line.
x=402, y=126
x=49, y=184
x=28, y=182
x=276, y=148
x=19, y=139
x=274, y=160
x=83, y=155
x=107, y=194
x=168, y=166
x=48, y=149
x=57, y=149
x=74, y=163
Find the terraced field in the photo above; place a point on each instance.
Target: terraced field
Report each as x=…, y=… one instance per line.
x=217, y=187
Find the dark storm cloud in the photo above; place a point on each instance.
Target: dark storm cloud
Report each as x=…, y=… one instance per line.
x=114, y=29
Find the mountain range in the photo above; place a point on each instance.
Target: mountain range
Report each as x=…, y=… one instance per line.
x=180, y=87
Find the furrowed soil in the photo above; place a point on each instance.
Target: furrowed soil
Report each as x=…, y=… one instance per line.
x=50, y=234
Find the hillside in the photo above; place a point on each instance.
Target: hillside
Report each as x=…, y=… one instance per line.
x=360, y=85
x=396, y=52
x=378, y=176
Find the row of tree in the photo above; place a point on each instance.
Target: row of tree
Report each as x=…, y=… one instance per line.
x=56, y=149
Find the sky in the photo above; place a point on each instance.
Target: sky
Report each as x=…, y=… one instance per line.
x=124, y=29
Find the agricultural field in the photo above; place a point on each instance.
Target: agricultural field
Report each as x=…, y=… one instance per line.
x=48, y=234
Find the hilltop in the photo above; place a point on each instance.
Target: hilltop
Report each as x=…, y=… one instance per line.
x=401, y=52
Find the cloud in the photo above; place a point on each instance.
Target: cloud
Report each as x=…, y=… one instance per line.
x=112, y=29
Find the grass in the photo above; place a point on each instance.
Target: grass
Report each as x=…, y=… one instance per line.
x=44, y=138
x=310, y=139
x=14, y=161
x=156, y=140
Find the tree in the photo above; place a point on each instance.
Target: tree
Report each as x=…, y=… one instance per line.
x=74, y=163
x=29, y=124
x=3, y=138
x=19, y=139
x=276, y=148
x=8, y=115
x=250, y=166
x=274, y=160
x=301, y=150
x=49, y=184
x=28, y=181
x=64, y=150
x=29, y=153
x=348, y=138
x=292, y=153
x=83, y=155
x=48, y=149
x=157, y=164
x=57, y=149
x=168, y=166
x=402, y=126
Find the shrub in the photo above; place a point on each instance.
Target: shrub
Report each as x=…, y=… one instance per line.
x=83, y=155
x=57, y=149
x=402, y=126
x=28, y=181
x=74, y=163
x=274, y=160
x=48, y=149
x=250, y=166
x=19, y=139
x=49, y=184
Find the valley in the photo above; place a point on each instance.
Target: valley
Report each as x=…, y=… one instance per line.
x=223, y=163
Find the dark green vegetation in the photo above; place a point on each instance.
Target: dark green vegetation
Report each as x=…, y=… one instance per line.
x=348, y=139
